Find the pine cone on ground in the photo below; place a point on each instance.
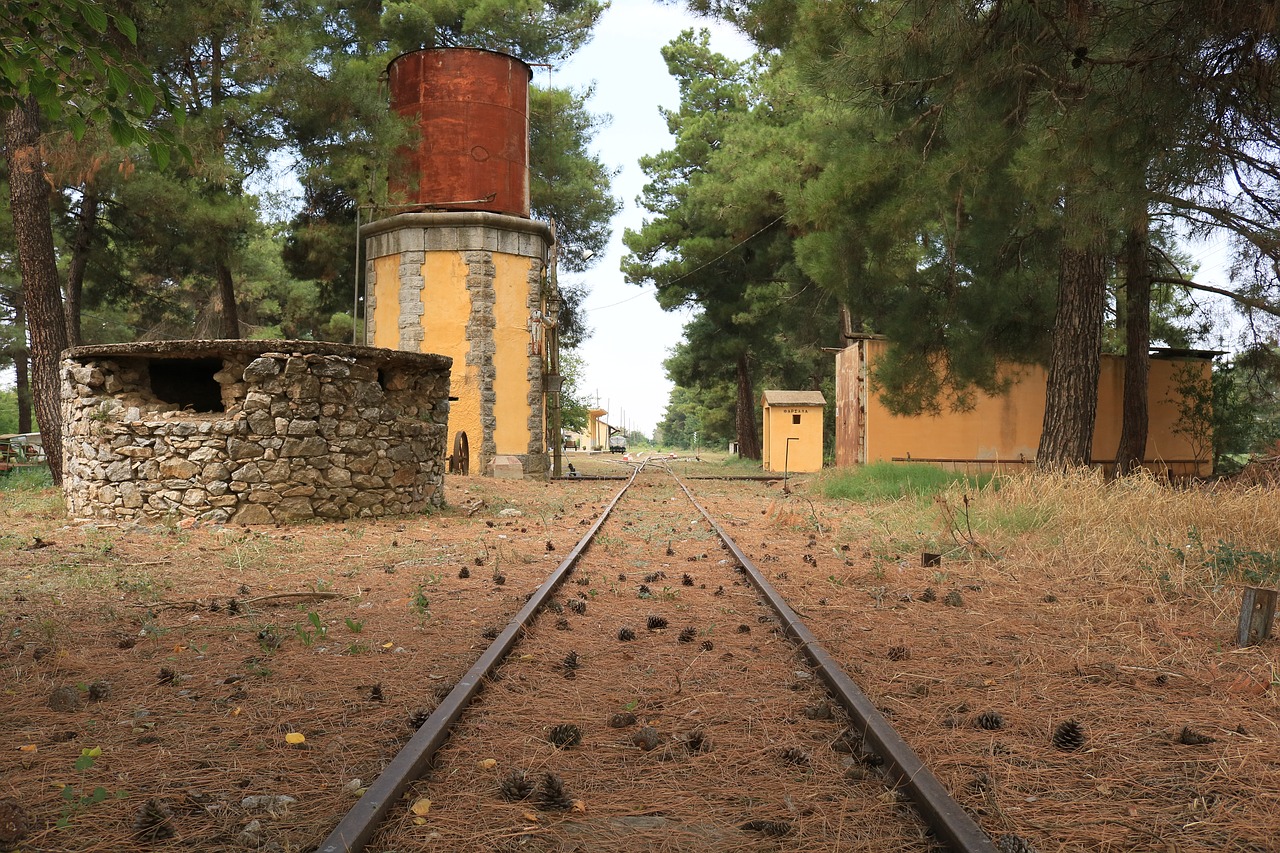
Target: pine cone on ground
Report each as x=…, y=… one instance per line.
x=795, y=755
x=577, y=605
x=697, y=741
x=570, y=664
x=953, y=599
x=154, y=821
x=1014, y=844
x=928, y=594
x=626, y=635
x=515, y=786
x=1069, y=736
x=687, y=635
x=772, y=828
x=552, y=795
x=656, y=623
x=990, y=720
x=565, y=735
x=1191, y=737
x=15, y=823
x=622, y=719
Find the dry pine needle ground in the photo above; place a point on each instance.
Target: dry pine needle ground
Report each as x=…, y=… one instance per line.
x=174, y=666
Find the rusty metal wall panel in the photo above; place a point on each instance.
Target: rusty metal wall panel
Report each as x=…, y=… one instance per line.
x=848, y=406
x=472, y=110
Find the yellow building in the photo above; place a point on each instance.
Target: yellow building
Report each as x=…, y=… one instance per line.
x=469, y=285
x=793, y=430
x=1005, y=429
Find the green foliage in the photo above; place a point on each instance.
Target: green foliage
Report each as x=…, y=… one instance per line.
x=698, y=415
x=420, y=603
x=888, y=481
x=1234, y=563
x=539, y=31
x=574, y=406
x=78, y=800
x=320, y=630
x=8, y=412
x=32, y=479
x=719, y=241
x=1232, y=412
x=78, y=60
x=567, y=183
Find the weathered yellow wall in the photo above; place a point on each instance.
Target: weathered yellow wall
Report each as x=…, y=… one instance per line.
x=805, y=454
x=597, y=430
x=511, y=353
x=386, y=311
x=1008, y=426
x=446, y=311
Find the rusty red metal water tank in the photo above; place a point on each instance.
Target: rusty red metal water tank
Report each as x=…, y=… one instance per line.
x=472, y=110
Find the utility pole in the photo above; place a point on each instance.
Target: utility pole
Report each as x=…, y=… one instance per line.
x=554, y=379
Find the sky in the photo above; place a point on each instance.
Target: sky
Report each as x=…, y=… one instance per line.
x=623, y=358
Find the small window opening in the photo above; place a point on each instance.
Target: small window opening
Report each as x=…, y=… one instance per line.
x=187, y=382
x=382, y=378
x=795, y=419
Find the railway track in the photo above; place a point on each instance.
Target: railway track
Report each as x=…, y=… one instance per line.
x=656, y=693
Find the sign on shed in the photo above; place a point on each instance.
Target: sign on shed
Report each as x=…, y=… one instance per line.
x=793, y=430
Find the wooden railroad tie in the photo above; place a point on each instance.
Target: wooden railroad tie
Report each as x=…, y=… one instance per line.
x=1257, y=612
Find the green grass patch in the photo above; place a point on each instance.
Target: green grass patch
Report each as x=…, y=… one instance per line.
x=26, y=479
x=889, y=481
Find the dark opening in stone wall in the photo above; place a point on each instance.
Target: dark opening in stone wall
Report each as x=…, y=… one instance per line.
x=187, y=382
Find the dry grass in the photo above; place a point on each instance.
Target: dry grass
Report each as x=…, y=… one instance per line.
x=1113, y=604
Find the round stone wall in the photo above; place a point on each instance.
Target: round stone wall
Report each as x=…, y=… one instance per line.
x=252, y=432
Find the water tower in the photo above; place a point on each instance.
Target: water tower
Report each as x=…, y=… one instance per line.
x=460, y=270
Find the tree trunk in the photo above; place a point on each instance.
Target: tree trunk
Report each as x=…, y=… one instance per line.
x=1071, y=395
x=748, y=435
x=33, y=235
x=230, y=319
x=230, y=324
x=22, y=368
x=22, y=382
x=86, y=221
x=1137, y=366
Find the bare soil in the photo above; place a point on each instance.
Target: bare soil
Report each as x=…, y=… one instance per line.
x=214, y=671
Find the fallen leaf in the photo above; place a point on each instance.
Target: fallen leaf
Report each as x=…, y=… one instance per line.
x=235, y=712
x=532, y=817
x=421, y=806
x=487, y=763
x=387, y=645
x=419, y=821
x=28, y=747
x=295, y=738
x=579, y=806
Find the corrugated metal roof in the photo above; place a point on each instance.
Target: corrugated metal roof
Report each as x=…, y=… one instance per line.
x=794, y=398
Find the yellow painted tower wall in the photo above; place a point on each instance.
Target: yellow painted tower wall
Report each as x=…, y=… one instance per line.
x=512, y=339
x=467, y=285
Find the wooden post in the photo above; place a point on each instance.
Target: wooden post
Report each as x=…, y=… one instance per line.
x=1257, y=611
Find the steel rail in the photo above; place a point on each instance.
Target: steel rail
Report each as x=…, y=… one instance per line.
x=949, y=821
x=356, y=828
x=950, y=824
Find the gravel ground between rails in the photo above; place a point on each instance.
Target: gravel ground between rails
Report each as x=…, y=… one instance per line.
x=198, y=701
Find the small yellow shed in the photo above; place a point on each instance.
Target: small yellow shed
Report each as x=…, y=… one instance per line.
x=793, y=430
